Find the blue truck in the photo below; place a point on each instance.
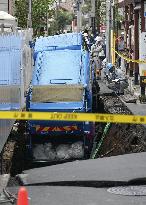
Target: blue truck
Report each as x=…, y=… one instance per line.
x=62, y=82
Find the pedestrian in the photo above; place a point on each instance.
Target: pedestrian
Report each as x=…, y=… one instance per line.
x=121, y=44
x=120, y=47
x=86, y=41
x=97, y=53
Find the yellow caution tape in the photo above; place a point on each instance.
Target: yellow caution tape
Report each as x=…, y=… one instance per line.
x=60, y=116
x=128, y=59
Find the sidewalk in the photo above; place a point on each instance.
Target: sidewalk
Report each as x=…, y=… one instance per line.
x=130, y=98
x=104, y=90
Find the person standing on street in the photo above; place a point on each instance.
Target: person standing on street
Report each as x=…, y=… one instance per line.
x=120, y=47
x=97, y=54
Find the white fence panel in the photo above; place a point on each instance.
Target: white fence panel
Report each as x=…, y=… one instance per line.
x=15, y=75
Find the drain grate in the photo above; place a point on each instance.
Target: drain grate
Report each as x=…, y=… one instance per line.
x=128, y=190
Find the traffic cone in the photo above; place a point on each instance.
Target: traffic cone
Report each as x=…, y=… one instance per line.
x=22, y=196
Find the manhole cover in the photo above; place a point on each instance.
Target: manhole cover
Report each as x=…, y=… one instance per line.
x=128, y=190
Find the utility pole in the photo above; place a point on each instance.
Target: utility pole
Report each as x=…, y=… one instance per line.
x=56, y=13
x=112, y=44
x=108, y=31
x=79, y=15
x=93, y=6
x=29, y=23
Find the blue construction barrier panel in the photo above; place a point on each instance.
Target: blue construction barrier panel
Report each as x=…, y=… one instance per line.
x=10, y=58
x=10, y=65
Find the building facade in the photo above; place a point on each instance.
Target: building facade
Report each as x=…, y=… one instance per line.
x=7, y=6
x=67, y=5
x=135, y=38
x=4, y=5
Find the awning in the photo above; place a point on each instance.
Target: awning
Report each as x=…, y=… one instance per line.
x=137, y=7
x=5, y=16
x=7, y=19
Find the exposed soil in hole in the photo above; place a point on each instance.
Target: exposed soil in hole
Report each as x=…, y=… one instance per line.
x=120, y=138
x=13, y=158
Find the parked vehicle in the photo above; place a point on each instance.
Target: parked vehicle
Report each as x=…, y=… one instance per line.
x=62, y=82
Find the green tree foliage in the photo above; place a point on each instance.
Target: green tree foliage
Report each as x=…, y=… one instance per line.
x=87, y=9
x=40, y=13
x=21, y=7
x=63, y=18
x=40, y=10
x=98, y=16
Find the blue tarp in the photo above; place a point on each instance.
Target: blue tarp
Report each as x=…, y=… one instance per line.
x=58, y=59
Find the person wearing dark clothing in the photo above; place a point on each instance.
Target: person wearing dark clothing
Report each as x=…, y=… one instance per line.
x=120, y=48
x=104, y=49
